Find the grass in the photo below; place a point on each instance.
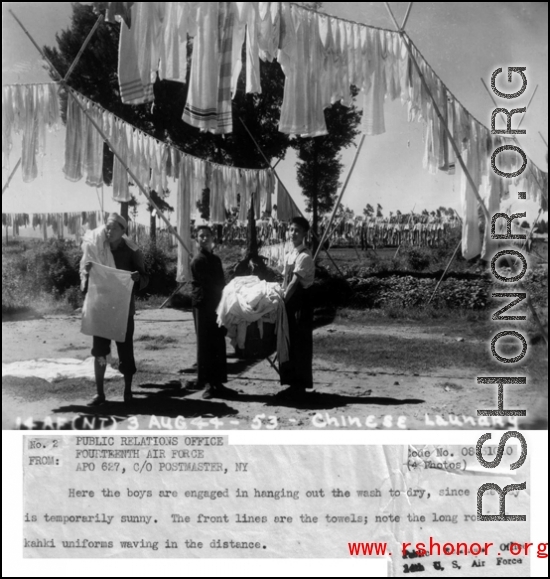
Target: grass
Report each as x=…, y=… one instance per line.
x=417, y=355
x=155, y=342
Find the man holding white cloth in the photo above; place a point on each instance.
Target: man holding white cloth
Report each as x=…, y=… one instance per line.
x=108, y=248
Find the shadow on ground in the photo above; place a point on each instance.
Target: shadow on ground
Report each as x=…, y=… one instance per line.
x=157, y=404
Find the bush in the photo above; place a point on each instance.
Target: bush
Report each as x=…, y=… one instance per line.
x=54, y=266
x=16, y=296
x=411, y=292
x=161, y=270
x=418, y=258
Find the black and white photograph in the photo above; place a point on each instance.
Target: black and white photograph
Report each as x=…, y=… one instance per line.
x=281, y=214
x=274, y=287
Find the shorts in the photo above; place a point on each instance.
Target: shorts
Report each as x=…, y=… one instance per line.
x=126, y=362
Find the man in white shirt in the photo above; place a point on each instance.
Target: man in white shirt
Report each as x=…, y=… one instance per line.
x=299, y=274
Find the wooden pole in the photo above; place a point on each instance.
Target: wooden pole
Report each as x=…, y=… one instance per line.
x=407, y=14
x=83, y=47
x=444, y=273
x=54, y=70
x=337, y=204
x=12, y=174
x=443, y=122
x=180, y=285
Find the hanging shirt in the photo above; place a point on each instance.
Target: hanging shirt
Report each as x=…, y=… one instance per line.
x=471, y=237
x=493, y=191
x=208, y=105
x=121, y=190
x=74, y=137
x=217, y=205
x=374, y=89
x=269, y=30
x=173, y=46
x=93, y=149
x=301, y=57
x=139, y=52
x=253, y=84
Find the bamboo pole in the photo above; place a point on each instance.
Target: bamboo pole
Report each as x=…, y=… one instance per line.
x=12, y=174
x=337, y=204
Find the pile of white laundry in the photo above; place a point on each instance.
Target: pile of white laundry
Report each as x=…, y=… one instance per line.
x=248, y=300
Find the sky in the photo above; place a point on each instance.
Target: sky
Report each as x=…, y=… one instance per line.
x=463, y=41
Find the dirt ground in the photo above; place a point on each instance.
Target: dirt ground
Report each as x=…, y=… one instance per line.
x=345, y=397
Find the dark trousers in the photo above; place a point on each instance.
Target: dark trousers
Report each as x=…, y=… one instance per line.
x=126, y=362
x=211, y=356
x=298, y=371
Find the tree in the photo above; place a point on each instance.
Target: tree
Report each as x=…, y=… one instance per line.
x=320, y=166
x=368, y=211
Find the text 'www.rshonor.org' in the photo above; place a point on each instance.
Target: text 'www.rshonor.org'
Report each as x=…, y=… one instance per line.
x=432, y=547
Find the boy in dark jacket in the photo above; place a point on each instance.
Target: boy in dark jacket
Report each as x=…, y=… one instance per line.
x=208, y=283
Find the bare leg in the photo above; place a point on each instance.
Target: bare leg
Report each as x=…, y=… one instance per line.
x=100, y=366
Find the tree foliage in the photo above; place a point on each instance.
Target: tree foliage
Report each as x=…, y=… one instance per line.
x=96, y=77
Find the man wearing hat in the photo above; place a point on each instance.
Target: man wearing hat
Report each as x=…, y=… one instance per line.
x=110, y=246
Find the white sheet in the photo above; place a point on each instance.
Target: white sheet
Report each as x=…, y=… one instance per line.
x=107, y=303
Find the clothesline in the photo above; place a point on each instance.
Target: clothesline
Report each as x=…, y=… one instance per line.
x=170, y=145
x=275, y=13
x=355, y=23
x=120, y=120
x=307, y=9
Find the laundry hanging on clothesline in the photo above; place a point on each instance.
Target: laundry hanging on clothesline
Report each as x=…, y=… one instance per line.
x=29, y=110
x=322, y=57
x=32, y=109
x=153, y=162
x=60, y=224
